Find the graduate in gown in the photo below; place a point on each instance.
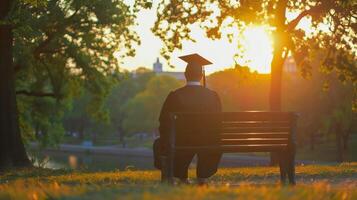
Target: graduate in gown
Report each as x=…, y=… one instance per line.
x=193, y=97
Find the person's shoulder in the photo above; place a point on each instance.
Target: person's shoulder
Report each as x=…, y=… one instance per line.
x=184, y=89
x=173, y=93
x=178, y=90
x=212, y=92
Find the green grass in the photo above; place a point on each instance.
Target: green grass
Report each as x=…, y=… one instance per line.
x=313, y=182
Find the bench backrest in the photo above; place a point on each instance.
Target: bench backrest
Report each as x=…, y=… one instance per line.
x=253, y=131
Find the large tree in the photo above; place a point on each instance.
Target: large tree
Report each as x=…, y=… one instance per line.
x=49, y=48
x=12, y=151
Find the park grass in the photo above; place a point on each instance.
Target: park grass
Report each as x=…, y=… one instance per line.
x=313, y=182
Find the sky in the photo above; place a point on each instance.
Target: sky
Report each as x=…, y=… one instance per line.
x=220, y=52
x=149, y=49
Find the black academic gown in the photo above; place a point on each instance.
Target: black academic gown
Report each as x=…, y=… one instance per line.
x=190, y=98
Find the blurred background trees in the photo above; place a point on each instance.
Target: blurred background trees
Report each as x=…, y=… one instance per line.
x=241, y=89
x=142, y=111
x=121, y=94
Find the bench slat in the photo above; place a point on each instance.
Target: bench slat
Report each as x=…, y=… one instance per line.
x=234, y=148
x=255, y=124
x=240, y=116
x=253, y=148
x=253, y=141
x=255, y=129
x=253, y=135
x=258, y=116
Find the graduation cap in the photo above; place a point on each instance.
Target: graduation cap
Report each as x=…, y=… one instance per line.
x=195, y=62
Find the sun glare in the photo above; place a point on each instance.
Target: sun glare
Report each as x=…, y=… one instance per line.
x=255, y=40
x=258, y=49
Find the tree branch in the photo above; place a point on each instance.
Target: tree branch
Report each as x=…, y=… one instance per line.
x=296, y=21
x=304, y=13
x=36, y=94
x=43, y=45
x=62, y=26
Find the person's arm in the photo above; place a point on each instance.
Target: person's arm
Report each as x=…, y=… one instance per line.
x=218, y=106
x=165, y=122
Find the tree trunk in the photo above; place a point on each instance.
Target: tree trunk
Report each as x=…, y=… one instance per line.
x=12, y=150
x=81, y=134
x=275, y=84
x=94, y=137
x=312, y=141
x=346, y=139
x=275, y=81
x=81, y=129
x=277, y=63
x=339, y=146
x=121, y=137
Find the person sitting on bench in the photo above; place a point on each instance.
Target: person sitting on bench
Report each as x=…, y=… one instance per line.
x=191, y=98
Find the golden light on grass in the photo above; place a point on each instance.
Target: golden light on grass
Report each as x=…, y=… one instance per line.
x=314, y=182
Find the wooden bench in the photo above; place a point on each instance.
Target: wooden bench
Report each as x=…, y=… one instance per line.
x=253, y=131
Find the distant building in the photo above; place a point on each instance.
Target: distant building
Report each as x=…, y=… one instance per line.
x=157, y=69
x=157, y=66
x=290, y=65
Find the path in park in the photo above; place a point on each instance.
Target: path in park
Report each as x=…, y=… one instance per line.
x=228, y=160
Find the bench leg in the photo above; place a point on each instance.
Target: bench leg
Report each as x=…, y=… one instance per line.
x=291, y=167
x=166, y=169
x=282, y=167
x=170, y=168
x=287, y=167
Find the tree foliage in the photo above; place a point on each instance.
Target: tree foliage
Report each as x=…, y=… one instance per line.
x=65, y=40
x=62, y=46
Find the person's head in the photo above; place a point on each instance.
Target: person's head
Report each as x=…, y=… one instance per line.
x=195, y=63
x=193, y=72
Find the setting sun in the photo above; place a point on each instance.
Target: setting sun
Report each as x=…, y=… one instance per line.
x=257, y=45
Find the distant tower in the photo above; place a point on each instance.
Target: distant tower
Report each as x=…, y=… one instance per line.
x=157, y=66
